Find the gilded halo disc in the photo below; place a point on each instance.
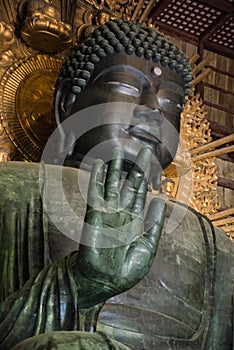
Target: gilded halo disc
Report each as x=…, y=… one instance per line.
x=26, y=97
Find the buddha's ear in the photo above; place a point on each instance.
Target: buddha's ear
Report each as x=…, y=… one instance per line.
x=64, y=100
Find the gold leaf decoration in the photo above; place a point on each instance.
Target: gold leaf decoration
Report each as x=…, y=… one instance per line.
x=29, y=124
x=195, y=132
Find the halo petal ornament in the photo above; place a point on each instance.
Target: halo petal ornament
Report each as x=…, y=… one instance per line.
x=26, y=100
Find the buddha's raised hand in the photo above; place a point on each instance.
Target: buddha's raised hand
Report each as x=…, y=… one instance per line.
x=119, y=243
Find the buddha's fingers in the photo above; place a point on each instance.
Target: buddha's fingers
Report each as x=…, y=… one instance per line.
x=138, y=173
x=154, y=222
x=96, y=185
x=93, y=216
x=140, y=199
x=113, y=176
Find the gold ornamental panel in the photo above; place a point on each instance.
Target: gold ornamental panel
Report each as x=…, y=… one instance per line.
x=26, y=100
x=193, y=179
x=46, y=34
x=42, y=28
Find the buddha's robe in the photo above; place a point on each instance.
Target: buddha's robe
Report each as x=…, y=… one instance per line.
x=184, y=302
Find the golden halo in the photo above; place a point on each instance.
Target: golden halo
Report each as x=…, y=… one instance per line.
x=26, y=100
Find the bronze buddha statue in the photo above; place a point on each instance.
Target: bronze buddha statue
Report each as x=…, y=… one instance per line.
x=155, y=280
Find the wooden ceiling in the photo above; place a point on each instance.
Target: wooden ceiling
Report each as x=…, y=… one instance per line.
x=209, y=24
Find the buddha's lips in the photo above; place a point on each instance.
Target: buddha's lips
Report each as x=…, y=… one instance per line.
x=145, y=132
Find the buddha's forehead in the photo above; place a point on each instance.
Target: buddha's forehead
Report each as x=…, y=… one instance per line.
x=135, y=67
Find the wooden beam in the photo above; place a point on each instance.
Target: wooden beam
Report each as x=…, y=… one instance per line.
x=212, y=145
x=229, y=230
x=137, y=10
x=159, y=7
x=214, y=87
x=218, y=130
x=214, y=153
x=222, y=213
x=223, y=5
x=199, y=88
x=221, y=108
x=214, y=27
x=227, y=183
x=212, y=46
x=220, y=71
x=146, y=11
x=219, y=49
x=174, y=32
x=222, y=222
x=227, y=157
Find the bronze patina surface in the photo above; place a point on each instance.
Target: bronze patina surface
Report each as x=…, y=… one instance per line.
x=144, y=272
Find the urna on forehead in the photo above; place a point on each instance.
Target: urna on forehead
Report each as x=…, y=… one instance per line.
x=123, y=37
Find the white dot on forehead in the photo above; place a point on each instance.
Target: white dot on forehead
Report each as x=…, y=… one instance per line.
x=157, y=71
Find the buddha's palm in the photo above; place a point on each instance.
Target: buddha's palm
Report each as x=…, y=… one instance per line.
x=119, y=244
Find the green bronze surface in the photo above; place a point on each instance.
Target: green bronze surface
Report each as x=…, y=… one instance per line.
x=72, y=341
x=108, y=265
x=177, y=292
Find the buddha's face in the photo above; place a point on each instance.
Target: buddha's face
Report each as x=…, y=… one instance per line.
x=155, y=95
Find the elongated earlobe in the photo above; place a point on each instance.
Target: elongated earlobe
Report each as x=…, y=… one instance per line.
x=64, y=100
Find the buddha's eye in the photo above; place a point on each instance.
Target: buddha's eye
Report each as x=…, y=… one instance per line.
x=179, y=106
x=124, y=88
x=170, y=101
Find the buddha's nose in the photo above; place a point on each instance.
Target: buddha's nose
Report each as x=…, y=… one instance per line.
x=148, y=115
x=148, y=108
x=149, y=98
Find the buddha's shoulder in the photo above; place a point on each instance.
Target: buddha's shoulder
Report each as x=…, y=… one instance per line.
x=185, y=227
